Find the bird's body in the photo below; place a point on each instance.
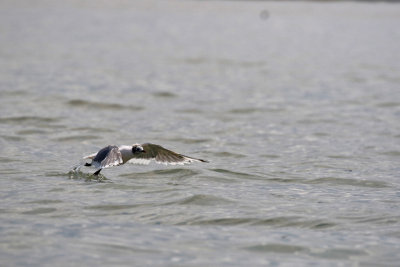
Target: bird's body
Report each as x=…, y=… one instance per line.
x=139, y=154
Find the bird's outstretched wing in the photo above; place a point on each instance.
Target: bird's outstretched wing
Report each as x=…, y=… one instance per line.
x=161, y=155
x=107, y=157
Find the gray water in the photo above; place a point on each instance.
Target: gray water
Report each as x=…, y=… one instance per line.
x=295, y=104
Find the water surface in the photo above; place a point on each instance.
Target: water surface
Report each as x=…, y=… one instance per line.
x=298, y=113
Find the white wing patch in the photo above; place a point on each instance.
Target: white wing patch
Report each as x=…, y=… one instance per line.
x=91, y=156
x=98, y=165
x=185, y=160
x=115, y=163
x=139, y=161
x=142, y=161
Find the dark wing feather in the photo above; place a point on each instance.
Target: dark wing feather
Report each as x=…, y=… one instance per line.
x=161, y=155
x=107, y=157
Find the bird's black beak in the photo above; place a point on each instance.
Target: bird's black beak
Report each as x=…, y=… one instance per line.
x=143, y=151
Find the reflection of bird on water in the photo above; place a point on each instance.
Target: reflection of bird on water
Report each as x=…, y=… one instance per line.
x=138, y=154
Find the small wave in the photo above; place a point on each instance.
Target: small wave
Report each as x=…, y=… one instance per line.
x=13, y=93
x=317, y=121
x=189, y=110
x=164, y=94
x=189, y=140
x=288, y=221
x=179, y=173
x=31, y=132
x=244, y=110
x=277, y=248
x=100, y=105
x=294, y=221
x=39, y=211
x=76, y=138
x=235, y=174
x=251, y=110
x=119, y=249
x=113, y=207
x=7, y=160
x=346, y=181
x=321, y=134
x=28, y=119
x=222, y=221
x=12, y=138
x=204, y=200
x=76, y=174
x=44, y=201
x=340, y=157
x=393, y=153
x=225, y=154
x=222, y=62
x=330, y=253
x=388, y=104
x=270, y=156
x=93, y=129
x=339, y=253
x=378, y=220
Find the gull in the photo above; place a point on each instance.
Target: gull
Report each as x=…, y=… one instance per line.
x=138, y=154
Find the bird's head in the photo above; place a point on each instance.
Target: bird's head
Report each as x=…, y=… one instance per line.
x=137, y=149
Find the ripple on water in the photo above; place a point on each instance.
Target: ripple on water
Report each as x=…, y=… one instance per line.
x=377, y=220
x=282, y=221
x=388, y=104
x=339, y=253
x=251, y=110
x=179, y=173
x=78, y=138
x=204, y=200
x=189, y=140
x=331, y=253
x=28, y=120
x=295, y=221
x=270, y=156
x=121, y=186
x=277, y=248
x=13, y=93
x=115, y=206
x=225, y=154
x=7, y=160
x=245, y=110
x=78, y=175
x=39, y=211
x=165, y=94
x=93, y=129
x=190, y=111
x=110, y=248
x=346, y=181
x=12, y=138
x=31, y=132
x=392, y=153
x=234, y=174
x=79, y=103
x=219, y=221
x=44, y=201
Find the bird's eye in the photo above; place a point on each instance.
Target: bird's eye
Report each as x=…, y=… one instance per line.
x=136, y=149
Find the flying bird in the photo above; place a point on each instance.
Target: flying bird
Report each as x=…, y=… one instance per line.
x=138, y=154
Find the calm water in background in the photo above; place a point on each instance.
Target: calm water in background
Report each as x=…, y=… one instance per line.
x=295, y=105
